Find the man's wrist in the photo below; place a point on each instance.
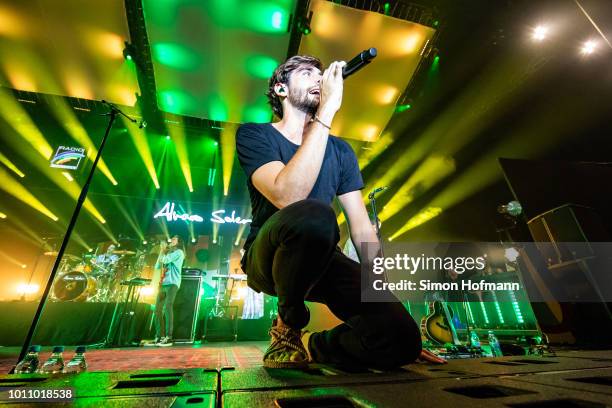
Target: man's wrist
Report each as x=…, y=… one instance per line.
x=325, y=115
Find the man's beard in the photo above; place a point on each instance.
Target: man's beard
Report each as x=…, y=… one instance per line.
x=304, y=102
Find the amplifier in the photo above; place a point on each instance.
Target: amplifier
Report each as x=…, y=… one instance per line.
x=192, y=272
x=186, y=307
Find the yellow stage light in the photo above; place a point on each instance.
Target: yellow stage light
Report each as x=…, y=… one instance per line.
x=588, y=47
x=228, y=151
x=14, y=188
x=139, y=139
x=422, y=217
x=4, y=160
x=2, y=215
x=388, y=94
x=75, y=129
x=17, y=117
x=177, y=133
x=147, y=291
x=539, y=33
x=429, y=173
x=27, y=288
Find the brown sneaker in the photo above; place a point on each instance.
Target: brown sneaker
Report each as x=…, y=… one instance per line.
x=286, y=349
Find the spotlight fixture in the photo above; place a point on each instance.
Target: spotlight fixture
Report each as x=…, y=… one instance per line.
x=588, y=47
x=304, y=24
x=129, y=51
x=193, y=240
x=539, y=33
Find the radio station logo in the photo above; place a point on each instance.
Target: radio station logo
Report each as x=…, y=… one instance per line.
x=68, y=157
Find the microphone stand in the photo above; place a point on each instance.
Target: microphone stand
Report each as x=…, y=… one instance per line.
x=114, y=111
x=372, y=198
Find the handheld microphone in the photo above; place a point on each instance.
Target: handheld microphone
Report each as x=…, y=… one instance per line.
x=361, y=60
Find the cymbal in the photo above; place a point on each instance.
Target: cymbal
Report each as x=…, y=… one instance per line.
x=124, y=252
x=66, y=256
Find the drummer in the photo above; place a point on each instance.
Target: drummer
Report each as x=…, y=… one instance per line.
x=108, y=258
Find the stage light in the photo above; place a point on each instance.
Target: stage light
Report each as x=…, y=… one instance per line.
x=422, y=217
x=388, y=94
x=2, y=215
x=144, y=242
x=387, y=8
x=14, y=188
x=177, y=133
x=588, y=47
x=147, y=291
x=539, y=33
x=71, y=124
x=261, y=66
x=4, y=160
x=304, y=24
x=128, y=51
x=431, y=171
x=27, y=288
x=193, y=240
x=68, y=176
x=176, y=56
x=16, y=116
x=139, y=139
x=402, y=108
x=168, y=137
x=511, y=254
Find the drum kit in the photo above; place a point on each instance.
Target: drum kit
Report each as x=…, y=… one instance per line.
x=97, y=276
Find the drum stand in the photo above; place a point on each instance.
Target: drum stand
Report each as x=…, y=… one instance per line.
x=114, y=111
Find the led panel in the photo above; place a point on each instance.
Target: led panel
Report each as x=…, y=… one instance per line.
x=67, y=47
x=370, y=95
x=212, y=58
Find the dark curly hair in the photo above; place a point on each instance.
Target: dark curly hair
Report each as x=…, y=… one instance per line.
x=281, y=75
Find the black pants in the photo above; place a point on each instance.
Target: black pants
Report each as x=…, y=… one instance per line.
x=164, y=311
x=295, y=257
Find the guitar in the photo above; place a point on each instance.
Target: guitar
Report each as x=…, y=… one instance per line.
x=438, y=325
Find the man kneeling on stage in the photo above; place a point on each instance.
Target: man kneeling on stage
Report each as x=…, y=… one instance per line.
x=294, y=169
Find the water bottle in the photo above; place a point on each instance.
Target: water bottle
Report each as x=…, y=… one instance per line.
x=494, y=344
x=55, y=363
x=30, y=362
x=474, y=340
x=78, y=362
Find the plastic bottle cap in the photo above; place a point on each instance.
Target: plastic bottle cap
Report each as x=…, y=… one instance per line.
x=58, y=349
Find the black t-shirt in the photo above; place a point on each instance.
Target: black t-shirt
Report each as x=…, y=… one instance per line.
x=258, y=144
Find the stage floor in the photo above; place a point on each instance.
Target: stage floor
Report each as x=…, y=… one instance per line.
x=231, y=375
x=243, y=354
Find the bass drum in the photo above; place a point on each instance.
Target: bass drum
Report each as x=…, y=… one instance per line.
x=74, y=286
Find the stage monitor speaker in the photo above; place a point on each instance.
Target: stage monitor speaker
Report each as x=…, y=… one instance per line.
x=577, y=270
x=563, y=226
x=186, y=307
